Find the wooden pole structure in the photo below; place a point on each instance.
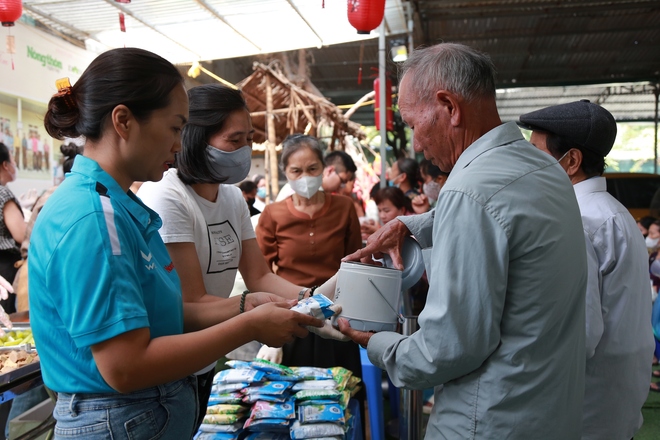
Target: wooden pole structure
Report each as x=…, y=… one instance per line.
x=656, y=92
x=271, y=168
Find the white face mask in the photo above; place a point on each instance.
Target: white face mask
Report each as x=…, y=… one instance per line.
x=562, y=158
x=651, y=242
x=432, y=190
x=306, y=186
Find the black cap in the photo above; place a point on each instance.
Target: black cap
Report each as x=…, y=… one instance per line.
x=588, y=125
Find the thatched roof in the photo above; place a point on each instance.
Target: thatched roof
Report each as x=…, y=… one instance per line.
x=293, y=108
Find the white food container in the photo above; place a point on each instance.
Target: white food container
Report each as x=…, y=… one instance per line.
x=369, y=296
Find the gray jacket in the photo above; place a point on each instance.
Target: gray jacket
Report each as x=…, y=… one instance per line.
x=504, y=323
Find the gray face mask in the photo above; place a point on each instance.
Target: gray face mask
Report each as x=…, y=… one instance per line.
x=229, y=167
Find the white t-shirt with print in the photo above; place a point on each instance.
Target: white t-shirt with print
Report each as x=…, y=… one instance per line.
x=216, y=228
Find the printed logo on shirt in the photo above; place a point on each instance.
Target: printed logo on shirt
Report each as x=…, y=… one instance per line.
x=147, y=258
x=170, y=267
x=225, y=247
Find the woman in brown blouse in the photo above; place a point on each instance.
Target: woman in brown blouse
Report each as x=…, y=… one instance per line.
x=304, y=237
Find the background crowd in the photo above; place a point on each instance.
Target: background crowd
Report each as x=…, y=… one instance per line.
x=518, y=234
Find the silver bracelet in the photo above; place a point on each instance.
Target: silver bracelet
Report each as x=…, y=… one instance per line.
x=301, y=294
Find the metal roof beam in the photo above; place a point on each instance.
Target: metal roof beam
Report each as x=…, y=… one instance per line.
x=531, y=9
x=204, y=5
x=533, y=33
x=295, y=8
x=149, y=25
x=48, y=17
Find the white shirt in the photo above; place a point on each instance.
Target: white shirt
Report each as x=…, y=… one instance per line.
x=216, y=228
x=503, y=325
x=285, y=192
x=618, y=316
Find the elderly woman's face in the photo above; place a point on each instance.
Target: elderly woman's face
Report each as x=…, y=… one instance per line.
x=303, y=162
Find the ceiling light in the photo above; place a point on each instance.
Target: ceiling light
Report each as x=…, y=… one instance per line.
x=399, y=49
x=399, y=53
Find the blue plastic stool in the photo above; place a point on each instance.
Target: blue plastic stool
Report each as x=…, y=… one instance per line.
x=393, y=393
x=355, y=433
x=372, y=377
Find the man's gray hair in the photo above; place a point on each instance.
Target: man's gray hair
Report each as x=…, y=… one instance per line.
x=454, y=67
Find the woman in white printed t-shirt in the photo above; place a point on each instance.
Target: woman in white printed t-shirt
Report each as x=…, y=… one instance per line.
x=206, y=222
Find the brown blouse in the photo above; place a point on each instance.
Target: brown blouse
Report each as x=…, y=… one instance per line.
x=308, y=251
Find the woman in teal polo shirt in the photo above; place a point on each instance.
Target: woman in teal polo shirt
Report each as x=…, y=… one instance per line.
x=106, y=306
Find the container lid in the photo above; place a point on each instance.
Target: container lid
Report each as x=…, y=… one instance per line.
x=413, y=263
x=368, y=267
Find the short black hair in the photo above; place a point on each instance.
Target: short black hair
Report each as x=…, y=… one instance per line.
x=646, y=221
x=374, y=189
x=4, y=153
x=340, y=160
x=593, y=164
x=431, y=170
x=247, y=186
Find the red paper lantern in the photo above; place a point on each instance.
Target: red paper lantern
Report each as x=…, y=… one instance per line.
x=389, y=115
x=10, y=11
x=365, y=15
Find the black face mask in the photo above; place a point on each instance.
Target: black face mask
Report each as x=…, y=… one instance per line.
x=250, y=201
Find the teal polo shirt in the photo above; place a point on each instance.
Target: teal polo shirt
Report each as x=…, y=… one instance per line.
x=97, y=268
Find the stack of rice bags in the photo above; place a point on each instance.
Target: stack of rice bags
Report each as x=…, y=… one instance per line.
x=226, y=411
x=322, y=397
x=297, y=403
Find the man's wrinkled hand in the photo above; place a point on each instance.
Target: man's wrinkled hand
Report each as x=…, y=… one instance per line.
x=388, y=239
x=361, y=338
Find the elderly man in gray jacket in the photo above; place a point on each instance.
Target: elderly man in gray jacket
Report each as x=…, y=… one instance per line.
x=503, y=325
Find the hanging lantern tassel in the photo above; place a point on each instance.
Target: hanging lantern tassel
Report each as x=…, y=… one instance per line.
x=11, y=48
x=10, y=11
x=360, y=68
x=122, y=22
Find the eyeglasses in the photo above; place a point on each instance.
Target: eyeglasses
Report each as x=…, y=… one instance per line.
x=341, y=179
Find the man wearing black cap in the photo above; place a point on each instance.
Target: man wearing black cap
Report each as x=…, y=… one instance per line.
x=619, y=339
